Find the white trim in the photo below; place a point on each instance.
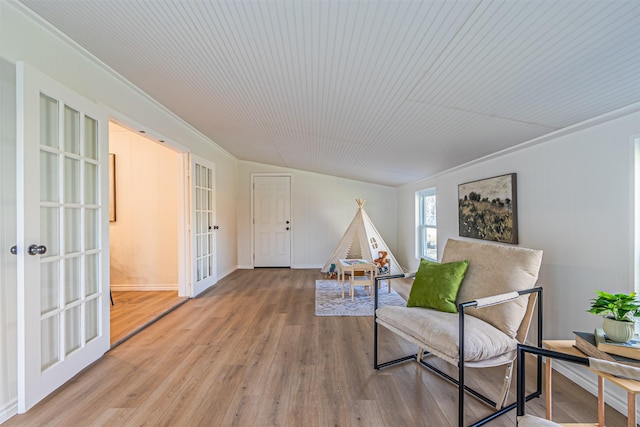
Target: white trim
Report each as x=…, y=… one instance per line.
x=635, y=215
x=9, y=410
x=615, y=397
x=184, y=225
x=603, y=118
x=226, y=273
x=307, y=266
x=421, y=194
x=145, y=287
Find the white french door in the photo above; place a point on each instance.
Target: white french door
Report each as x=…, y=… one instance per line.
x=62, y=230
x=272, y=221
x=203, y=234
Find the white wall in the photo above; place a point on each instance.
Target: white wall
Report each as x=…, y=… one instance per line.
x=322, y=208
x=574, y=202
x=144, y=237
x=24, y=37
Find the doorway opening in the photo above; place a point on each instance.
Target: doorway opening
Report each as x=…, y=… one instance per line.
x=145, y=230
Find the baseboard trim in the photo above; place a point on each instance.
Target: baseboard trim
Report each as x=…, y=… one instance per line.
x=226, y=273
x=9, y=410
x=307, y=266
x=145, y=287
x=615, y=397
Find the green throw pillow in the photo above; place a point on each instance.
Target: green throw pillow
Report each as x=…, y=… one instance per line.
x=436, y=285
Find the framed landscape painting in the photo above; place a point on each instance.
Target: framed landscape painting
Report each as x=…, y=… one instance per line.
x=487, y=209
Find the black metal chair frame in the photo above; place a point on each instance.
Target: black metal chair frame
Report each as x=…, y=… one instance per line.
x=460, y=381
x=539, y=352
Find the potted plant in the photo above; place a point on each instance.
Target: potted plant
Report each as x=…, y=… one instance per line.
x=619, y=311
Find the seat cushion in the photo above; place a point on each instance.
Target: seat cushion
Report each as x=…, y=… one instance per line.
x=493, y=270
x=438, y=332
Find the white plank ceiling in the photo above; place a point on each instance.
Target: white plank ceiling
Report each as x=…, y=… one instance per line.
x=386, y=92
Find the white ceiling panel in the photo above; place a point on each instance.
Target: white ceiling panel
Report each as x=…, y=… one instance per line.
x=381, y=91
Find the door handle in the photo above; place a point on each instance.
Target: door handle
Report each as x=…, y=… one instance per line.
x=14, y=250
x=36, y=250
x=287, y=228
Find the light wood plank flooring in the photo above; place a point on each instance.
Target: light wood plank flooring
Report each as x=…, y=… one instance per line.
x=132, y=311
x=251, y=352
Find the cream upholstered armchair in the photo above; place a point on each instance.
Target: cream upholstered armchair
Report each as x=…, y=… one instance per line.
x=495, y=304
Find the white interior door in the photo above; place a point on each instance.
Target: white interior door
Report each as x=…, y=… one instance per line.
x=272, y=221
x=203, y=224
x=62, y=234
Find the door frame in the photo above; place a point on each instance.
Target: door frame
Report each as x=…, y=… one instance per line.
x=253, y=238
x=184, y=200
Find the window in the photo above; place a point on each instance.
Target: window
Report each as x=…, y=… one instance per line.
x=427, y=231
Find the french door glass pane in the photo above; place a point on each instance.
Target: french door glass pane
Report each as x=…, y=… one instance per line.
x=71, y=279
x=49, y=287
x=90, y=138
x=71, y=130
x=50, y=336
x=91, y=274
x=72, y=329
x=205, y=267
x=91, y=319
x=50, y=231
x=91, y=229
x=71, y=180
x=48, y=121
x=71, y=230
x=90, y=184
x=48, y=176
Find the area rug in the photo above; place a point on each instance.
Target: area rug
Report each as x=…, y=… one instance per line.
x=329, y=300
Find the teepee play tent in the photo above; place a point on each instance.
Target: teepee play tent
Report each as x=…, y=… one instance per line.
x=362, y=240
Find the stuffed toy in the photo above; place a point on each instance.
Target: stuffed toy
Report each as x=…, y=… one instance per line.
x=332, y=273
x=381, y=261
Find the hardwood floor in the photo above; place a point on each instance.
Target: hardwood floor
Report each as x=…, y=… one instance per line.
x=133, y=311
x=251, y=352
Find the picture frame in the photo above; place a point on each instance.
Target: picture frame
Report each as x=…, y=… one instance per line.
x=112, y=187
x=487, y=209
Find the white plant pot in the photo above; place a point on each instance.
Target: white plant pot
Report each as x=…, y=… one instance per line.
x=617, y=330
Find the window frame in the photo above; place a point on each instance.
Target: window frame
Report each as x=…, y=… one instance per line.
x=423, y=225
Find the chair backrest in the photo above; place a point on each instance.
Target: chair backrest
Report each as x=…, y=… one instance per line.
x=368, y=273
x=496, y=269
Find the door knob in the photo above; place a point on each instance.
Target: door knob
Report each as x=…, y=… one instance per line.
x=36, y=250
x=287, y=228
x=14, y=250
x=287, y=222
